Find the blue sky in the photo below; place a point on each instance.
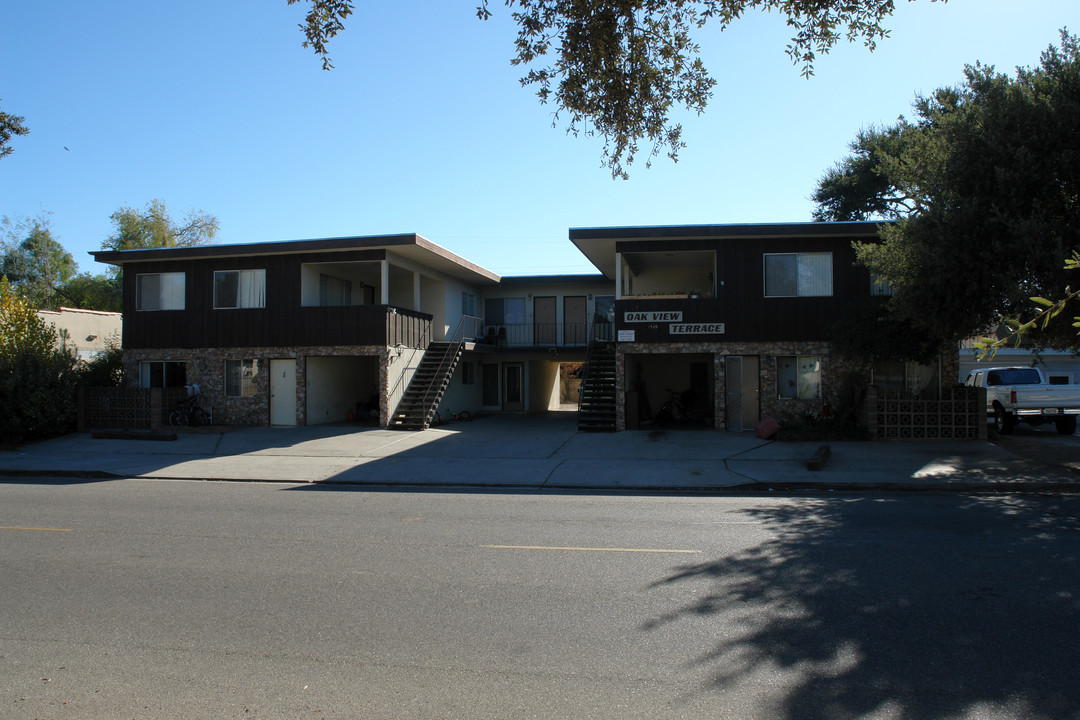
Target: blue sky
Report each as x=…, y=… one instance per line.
x=423, y=127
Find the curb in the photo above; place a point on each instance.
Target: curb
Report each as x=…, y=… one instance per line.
x=750, y=487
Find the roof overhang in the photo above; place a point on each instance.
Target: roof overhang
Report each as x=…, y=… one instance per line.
x=598, y=244
x=415, y=248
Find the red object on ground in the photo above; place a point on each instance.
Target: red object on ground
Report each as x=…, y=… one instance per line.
x=767, y=428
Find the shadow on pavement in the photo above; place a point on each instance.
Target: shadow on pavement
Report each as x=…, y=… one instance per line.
x=879, y=607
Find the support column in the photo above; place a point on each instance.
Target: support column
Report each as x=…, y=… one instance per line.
x=618, y=276
x=384, y=268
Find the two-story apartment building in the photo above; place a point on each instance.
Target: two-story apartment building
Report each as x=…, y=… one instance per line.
x=289, y=333
x=720, y=325
x=733, y=320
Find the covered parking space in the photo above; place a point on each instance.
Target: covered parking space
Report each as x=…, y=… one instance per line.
x=670, y=389
x=342, y=388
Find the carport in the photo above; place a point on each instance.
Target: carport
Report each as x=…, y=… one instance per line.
x=338, y=386
x=653, y=380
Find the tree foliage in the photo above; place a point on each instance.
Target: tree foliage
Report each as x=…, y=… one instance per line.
x=153, y=227
x=37, y=376
x=620, y=69
x=10, y=125
x=984, y=187
x=33, y=260
x=106, y=369
x=91, y=292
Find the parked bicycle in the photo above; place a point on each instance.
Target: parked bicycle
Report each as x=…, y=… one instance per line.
x=188, y=413
x=450, y=416
x=675, y=410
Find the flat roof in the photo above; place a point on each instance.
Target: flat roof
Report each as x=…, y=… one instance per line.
x=412, y=246
x=553, y=279
x=598, y=243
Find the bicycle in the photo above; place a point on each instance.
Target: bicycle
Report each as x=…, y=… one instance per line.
x=675, y=410
x=188, y=413
x=451, y=416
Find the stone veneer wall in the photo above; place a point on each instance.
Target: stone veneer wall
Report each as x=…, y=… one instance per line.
x=206, y=366
x=833, y=371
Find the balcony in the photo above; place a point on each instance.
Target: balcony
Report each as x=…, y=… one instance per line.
x=362, y=325
x=542, y=335
x=668, y=275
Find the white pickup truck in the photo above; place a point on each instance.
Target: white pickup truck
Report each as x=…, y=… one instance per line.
x=1021, y=394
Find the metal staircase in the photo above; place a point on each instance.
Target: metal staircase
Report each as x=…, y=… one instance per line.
x=429, y=382
x=596, y=397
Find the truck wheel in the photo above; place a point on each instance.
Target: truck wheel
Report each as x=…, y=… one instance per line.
x=1066, y=425
x=1003, y=421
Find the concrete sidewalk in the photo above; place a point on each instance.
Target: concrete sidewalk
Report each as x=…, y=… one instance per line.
x=538, y=454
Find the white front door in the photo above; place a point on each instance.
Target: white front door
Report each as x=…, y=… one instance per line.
x=282, y=392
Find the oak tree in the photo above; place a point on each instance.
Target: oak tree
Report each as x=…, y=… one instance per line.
x=33, y=261
x=983, y=185
x=620, y=69
x=153, y=227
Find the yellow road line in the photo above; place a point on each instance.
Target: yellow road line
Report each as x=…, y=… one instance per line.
x=589, y=549
x=2, y=527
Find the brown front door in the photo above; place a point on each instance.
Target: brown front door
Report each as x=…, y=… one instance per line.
x=575, y=329
x=544, y=321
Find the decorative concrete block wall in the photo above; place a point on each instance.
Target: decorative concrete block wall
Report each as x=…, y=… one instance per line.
x=959, y=415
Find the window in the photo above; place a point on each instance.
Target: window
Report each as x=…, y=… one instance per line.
x=239, y=289
x=798, y=274
x=504, y=311
x=911, y=378
x=241, y=378
x=1059, y=379
x=879, y=286
x=334, y=291
x=159, y=291
x=162, y=374
x=468, y=373
x=798, y=377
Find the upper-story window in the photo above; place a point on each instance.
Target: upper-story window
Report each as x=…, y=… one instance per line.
x=798, y=274
x=239, y=289
x=334, y=291
x=879, y=286
x=159, y=291
x=504, y=311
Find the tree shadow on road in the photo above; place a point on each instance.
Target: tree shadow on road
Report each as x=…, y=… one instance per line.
x=912, y=608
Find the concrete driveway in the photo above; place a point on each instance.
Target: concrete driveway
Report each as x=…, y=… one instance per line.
x=547, y=453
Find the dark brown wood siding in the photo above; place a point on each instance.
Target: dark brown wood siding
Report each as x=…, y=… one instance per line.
x=740, y=301
x=283, y=322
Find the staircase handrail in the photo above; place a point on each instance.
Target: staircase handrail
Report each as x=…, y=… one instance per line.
x=589, y=342
x=456, y=340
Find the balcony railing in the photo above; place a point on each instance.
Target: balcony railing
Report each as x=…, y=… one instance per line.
x=539, y=335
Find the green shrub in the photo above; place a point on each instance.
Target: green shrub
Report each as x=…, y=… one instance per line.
x=37, y=378
x=105, y=370
x=37, y=392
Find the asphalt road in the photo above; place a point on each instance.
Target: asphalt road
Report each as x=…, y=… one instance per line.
x=143, y=599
